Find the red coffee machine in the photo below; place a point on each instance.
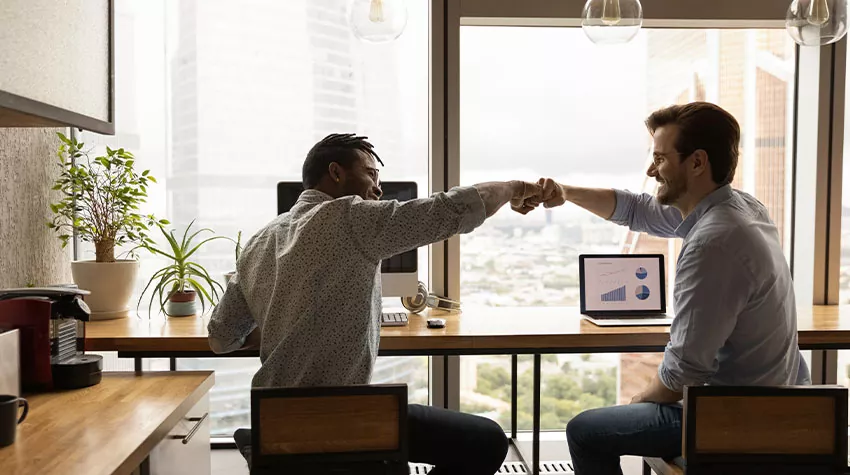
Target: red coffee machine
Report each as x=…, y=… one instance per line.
x=51, y=322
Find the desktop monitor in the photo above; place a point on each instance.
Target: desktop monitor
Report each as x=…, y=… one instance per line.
x=399, y=273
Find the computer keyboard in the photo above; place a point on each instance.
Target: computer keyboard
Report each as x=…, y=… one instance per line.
x=393, y=319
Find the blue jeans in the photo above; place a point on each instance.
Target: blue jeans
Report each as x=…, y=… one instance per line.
x=598, y=437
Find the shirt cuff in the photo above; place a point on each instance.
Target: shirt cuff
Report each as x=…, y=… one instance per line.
x=625, y=205
x=667, y=378
x=473, y=205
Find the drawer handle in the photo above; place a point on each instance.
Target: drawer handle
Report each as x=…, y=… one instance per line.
x=198, y=421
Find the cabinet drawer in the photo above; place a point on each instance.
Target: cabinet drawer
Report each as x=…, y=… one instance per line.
x=186, y=449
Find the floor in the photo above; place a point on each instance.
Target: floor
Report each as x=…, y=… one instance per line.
x=230, y=462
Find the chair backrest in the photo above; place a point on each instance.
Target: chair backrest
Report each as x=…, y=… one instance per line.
x=768, y=427
x=347, y=425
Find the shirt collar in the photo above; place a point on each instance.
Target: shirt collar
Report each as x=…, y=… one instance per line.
x=314, y=196
x=717, y=196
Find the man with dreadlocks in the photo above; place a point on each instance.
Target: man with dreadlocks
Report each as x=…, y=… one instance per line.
x=308, y=289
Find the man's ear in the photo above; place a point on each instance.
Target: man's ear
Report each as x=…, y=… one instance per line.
x=335, y=171
x=700, y=163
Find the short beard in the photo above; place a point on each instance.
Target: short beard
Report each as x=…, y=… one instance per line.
x=671, y=194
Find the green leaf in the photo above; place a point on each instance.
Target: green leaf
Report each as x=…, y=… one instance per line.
x=201, y=243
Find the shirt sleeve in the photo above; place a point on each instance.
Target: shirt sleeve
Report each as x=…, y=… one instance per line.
x=712, y=289
x=382, y=229
x=643, y=213
x=231, y=321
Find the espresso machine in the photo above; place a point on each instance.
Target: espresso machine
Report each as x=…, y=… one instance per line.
x=51, y=326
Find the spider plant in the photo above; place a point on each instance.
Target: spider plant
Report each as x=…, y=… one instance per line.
x=182, y=275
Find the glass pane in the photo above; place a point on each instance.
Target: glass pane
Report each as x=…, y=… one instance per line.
x=844, y=282
x=546, y=102
x=222, y=102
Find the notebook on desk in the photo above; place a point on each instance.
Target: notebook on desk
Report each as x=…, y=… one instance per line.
x=623, y=289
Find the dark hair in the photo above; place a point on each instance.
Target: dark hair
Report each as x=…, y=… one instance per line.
x=703, y=126
x=340, y=148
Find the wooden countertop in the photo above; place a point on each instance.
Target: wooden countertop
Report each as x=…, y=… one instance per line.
x=104, y=429
x=476, y=329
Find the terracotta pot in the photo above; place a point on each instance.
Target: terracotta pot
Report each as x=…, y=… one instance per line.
x=181, y=304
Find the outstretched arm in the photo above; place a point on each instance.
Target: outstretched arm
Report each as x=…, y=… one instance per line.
x=386, y=228
x=642, y=213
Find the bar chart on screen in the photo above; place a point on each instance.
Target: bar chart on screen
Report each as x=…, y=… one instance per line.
x=616, y=295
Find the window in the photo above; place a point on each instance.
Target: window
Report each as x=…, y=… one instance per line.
x=545, y=102
x=844, y=272
x=222, y=102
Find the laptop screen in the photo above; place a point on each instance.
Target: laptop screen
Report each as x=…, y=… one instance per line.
x=622, y=284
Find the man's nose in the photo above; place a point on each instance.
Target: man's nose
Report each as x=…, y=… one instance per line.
x=652, y=171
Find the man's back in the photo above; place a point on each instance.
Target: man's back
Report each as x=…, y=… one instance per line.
x=312, y=292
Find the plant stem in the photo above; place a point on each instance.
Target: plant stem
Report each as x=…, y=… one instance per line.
x=104, y=251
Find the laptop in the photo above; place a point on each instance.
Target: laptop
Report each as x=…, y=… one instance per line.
x=623, y=289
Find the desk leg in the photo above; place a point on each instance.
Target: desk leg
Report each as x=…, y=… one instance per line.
x=172, y=364
x=513, y=396
x=535, y=442
x=137, y=363
x=824, y=366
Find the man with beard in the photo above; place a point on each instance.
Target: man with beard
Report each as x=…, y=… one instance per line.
x=735, y=320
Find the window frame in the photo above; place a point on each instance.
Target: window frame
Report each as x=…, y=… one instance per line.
x=818, y=118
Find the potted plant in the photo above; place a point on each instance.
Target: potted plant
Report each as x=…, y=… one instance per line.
x=180, y=284
x=229, y=275
x=101, y=199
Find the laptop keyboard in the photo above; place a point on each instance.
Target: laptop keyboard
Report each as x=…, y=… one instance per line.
x=393, y=319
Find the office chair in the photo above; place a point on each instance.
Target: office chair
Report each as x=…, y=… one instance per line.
x=350, y=430
x=760, y=430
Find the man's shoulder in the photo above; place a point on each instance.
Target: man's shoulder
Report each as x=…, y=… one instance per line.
x=732, y=219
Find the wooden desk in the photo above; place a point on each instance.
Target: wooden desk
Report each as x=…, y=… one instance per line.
x=109, y=428
x=475, y=331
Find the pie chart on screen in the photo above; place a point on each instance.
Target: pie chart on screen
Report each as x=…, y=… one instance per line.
x=641, y=273
x=642, y=292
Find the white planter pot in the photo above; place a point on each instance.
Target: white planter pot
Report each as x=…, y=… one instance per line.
x=110, y=283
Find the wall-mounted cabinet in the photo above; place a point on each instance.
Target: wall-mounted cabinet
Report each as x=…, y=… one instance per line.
x=56, y=64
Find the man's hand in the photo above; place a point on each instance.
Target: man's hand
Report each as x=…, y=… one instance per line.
x=526, y=196
x=656, y=392
x=553, y=195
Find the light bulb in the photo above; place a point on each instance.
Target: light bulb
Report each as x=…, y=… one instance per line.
x=816, y=22
x=611, y=21
x=611, y=12
x=376, y=11
x=818, y=12
x=377, y=21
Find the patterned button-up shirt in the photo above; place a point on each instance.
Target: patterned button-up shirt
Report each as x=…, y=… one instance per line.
x=310, y=280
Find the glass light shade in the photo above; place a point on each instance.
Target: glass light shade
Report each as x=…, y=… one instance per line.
x=816, y=22
x=611, y=21
x=377, y=21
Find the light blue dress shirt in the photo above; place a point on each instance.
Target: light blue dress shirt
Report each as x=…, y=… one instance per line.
x=736, y=318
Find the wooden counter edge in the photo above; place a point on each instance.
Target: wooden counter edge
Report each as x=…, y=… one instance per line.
x=145, y=448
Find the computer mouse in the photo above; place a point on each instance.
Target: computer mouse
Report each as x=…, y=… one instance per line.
x=436, y=323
